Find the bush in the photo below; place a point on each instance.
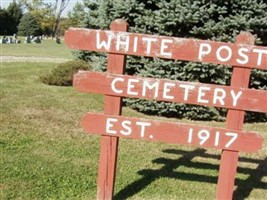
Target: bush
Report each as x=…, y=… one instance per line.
x=62, y=75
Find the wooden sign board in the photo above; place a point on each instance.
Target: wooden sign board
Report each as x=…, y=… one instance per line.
x=167, y=47
x=242, y=55
x=176, y=133
x=171, y=91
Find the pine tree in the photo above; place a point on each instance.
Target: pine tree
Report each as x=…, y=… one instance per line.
x=15, y=13
x=28, y=26
x=10, y=18
x=77, y=16
x=207, y=19
x=3, y=22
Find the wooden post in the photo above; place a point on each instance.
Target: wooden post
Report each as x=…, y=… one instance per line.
x=235, y=120
x=109, y=145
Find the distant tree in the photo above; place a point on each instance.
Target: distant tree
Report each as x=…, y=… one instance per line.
x=64, y=24
x=48, y=14
x=28, y=25
x=10, y=18
x=15, y=13
x=3, y=22
x=42, y=12
x=75, y=18
x=59, y=7
x=77, y=15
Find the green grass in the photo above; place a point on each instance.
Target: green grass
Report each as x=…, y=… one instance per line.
x=46, y=155
x=48, y=48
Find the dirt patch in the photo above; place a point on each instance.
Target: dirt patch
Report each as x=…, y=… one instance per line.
x=31, y=59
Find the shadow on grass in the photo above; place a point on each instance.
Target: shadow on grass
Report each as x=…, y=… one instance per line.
x=244, y=187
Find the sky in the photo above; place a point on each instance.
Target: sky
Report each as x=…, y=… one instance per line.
x=5, y=3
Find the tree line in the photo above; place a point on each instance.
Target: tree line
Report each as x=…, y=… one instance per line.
x=32, y=17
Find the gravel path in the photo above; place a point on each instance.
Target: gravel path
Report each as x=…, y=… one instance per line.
x=31, y=59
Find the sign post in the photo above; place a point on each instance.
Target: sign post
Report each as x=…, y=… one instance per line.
x=109, y=144
x=237, y=98
x=234, y=120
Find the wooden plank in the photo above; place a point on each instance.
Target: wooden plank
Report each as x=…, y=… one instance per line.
x=171, y=91
x=109, y=144
x=243, y=55
x=177, y=133
x=235, y=120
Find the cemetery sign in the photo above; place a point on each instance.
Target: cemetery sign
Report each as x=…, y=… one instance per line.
x=237, y=98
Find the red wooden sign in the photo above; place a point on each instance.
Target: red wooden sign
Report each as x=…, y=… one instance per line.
x=243, y=55
x=177, y=133
x=167, y=47
x=172, y=91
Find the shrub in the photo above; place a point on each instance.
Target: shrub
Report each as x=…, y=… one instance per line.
x=62, y=75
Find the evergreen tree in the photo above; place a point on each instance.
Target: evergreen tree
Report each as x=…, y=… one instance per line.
x=207, y=19
x=77, y=15
x=3, y=22
x=28, y=26
x=14, y=13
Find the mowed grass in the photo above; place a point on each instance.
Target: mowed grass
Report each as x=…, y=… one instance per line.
x=48, y=48
x=46, y=155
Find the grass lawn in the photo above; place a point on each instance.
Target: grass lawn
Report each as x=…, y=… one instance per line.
x=46, y=155
x=48, y=48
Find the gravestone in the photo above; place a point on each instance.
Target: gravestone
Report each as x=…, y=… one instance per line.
x=36, y=40
x=14, y=39
x=58, y=40
x=10, y=40
x=3, y=40
x=27, y=40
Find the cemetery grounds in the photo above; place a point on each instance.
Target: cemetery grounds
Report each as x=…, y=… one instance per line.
x=46, y=155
